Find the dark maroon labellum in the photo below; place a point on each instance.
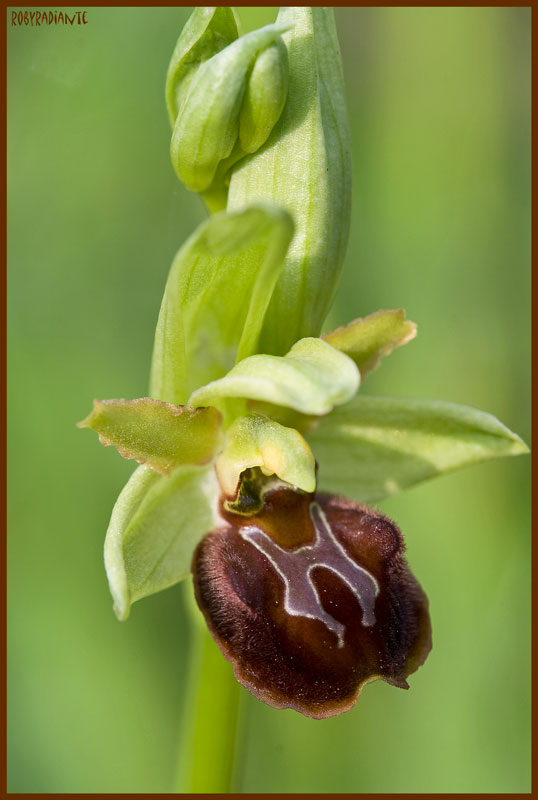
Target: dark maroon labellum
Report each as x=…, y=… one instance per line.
x=310, y=599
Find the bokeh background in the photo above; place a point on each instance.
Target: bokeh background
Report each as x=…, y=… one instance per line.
x=439, y=111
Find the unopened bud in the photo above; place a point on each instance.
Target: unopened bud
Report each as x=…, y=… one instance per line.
x=265, y=96
x=230, y=103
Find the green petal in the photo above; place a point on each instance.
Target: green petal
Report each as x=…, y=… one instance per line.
x=312, y=378
x=215, y=298
x=207, y=31
x=155, y=526
x=159, y=434
x=367, y=339
x=305, y=167
x=374, y=447
x=254, y=441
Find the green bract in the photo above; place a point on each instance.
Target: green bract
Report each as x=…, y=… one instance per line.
x=304, y=167
x=215, y=299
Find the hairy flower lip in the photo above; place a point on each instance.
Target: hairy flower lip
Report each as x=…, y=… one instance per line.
x=322, y=713
x=289, y=660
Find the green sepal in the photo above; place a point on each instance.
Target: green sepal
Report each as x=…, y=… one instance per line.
x=158, y=434
x=374, y=447
x=367, y=339
x=207, y=126
x=217, y=292
x=207, y=31
x=312, y=378
x=254, y=441
x=155, y=526
x=305, y=167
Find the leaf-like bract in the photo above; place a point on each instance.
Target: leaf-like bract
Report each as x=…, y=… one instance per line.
x=305, y=167
x=216, y=296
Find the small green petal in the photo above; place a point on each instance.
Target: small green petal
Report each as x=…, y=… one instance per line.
x=367, y=339
x=312, y=378
x=254, y=441
x=158, y=434
x=155, y=526
x=374, y=447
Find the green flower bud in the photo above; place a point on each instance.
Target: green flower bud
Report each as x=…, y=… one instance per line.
x=208, y=31
x=265, y=96
x=230, y=102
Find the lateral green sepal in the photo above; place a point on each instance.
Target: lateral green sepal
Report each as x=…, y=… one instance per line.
x=374, y=447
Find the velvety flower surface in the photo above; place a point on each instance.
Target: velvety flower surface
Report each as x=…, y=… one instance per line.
x=310, y=599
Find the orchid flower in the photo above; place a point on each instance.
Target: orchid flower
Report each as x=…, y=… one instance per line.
x=258, y=449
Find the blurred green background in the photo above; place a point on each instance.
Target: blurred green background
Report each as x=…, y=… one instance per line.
x=439, y=111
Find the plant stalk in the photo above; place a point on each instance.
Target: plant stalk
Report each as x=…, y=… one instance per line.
x=207, y=761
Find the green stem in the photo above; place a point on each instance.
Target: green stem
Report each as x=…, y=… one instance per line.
x=209, y=734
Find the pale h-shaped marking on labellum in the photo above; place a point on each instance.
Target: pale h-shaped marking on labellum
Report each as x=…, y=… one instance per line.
x=295, y=567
